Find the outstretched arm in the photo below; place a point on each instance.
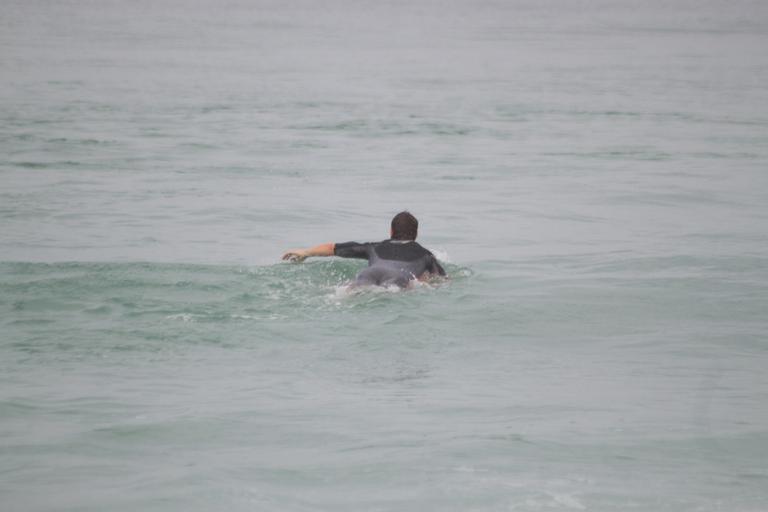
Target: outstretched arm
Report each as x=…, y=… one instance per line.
x=302, y=254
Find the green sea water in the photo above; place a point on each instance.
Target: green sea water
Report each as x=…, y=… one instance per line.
x=591, y=175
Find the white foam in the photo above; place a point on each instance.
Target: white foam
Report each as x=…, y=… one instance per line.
x=184, y=317
x=441, y=255
x=348, y=290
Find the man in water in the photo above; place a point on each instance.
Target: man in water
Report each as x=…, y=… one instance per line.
x=396, y=261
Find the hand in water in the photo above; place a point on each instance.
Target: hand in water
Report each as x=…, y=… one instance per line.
x=296, y=256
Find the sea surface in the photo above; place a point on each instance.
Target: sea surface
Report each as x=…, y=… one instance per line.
x=593, y=175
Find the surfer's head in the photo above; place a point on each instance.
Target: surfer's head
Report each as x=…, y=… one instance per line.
x=404, y=226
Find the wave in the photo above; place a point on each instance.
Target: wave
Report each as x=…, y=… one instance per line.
x=127, y=306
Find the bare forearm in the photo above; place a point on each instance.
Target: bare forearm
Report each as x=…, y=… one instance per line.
x=302, y=254
x=320, y=250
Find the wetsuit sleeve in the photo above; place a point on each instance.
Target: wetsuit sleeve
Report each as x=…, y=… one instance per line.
x=352, y=250
x=435, y=267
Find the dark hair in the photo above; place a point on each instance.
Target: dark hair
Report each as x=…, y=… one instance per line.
x=404, y=226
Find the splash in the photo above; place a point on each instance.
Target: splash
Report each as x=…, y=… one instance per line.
x=442, y=255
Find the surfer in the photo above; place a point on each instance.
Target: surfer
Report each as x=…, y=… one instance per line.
x=396, y=261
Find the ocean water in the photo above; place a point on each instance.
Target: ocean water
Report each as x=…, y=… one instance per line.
x=594, y=176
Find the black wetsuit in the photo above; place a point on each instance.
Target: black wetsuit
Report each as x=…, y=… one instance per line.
x=391, y=261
